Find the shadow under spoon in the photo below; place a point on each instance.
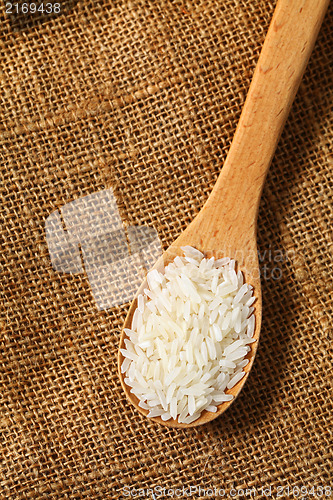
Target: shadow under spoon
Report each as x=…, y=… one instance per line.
x=226, y=225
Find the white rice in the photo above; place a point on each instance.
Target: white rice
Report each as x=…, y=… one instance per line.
x=189, y=337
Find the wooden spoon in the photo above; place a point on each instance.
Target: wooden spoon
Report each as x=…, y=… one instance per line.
x=226, y=225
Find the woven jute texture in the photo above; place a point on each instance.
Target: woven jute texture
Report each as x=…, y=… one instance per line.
x=143, y=97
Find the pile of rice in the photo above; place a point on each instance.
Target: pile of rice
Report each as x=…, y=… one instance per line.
x=189, y=338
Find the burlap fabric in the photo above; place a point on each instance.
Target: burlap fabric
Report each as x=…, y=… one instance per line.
x=143, y=97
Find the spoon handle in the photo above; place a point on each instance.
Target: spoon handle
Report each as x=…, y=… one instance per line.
x=285, y=53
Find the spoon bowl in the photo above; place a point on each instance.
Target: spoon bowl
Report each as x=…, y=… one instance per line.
x=226, y=225
x=250, y=270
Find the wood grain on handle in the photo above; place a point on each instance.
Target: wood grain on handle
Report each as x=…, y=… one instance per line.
x=285, y=53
